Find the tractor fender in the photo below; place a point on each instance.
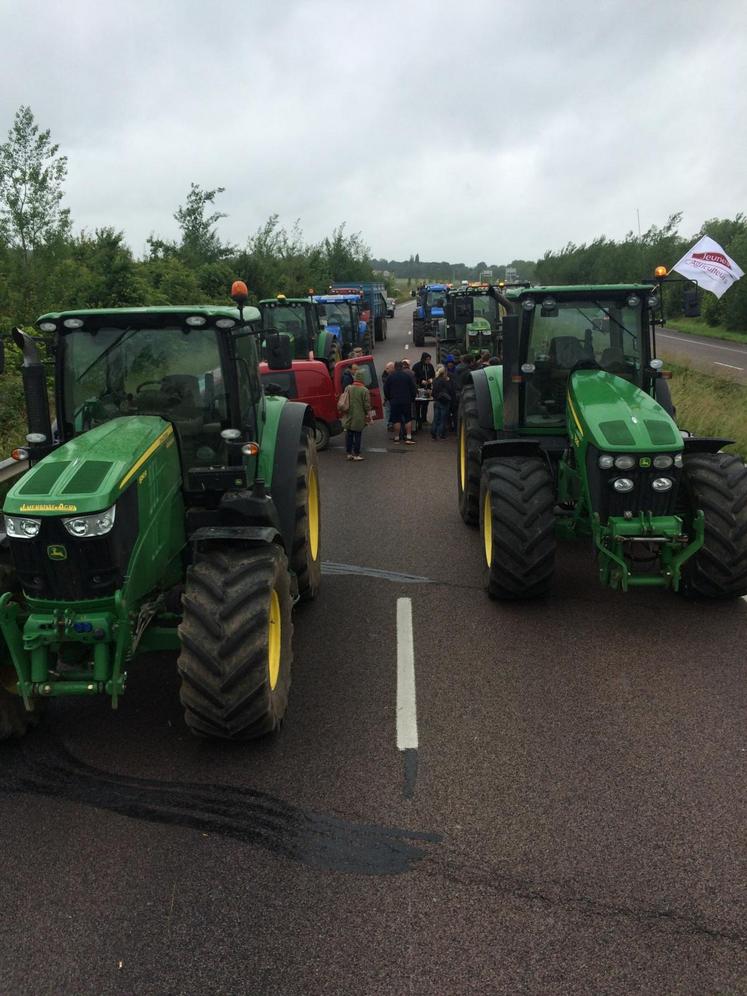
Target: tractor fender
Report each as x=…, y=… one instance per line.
x=247, y=535
x=294, y=418
x=510, y=448
x=484, y=400
x=704, y=444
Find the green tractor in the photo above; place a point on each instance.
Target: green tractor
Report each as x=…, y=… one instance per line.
x=482, y=332
x=575, y=435
x=299, y=320
x=172, y=506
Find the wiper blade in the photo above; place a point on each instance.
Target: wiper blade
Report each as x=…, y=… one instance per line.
x=101, y=356
x=619, y=324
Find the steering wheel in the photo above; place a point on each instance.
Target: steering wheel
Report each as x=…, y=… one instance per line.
x=146, y=383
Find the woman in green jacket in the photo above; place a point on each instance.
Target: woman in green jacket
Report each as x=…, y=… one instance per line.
x=355, y=416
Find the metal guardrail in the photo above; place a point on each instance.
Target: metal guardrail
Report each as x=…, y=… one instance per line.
x=12, y=468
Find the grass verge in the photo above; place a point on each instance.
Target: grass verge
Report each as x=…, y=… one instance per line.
x=696, y=326
x=710, y=406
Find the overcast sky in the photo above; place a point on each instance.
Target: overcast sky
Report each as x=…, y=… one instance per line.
x=464, y=131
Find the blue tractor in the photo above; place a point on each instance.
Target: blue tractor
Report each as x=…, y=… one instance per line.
x=430, y=315
x=342, y=315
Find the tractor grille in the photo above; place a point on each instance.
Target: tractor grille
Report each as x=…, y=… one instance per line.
x=93, y=568
x=606, y=501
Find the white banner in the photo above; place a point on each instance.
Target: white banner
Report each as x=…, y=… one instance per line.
x=707, y=263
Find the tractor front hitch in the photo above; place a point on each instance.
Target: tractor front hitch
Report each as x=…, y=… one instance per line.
x=666, y=534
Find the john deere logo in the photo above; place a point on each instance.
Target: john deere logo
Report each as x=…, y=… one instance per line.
x=57, y=553
x=644, y=462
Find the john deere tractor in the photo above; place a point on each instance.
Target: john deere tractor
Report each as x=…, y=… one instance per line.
x=483, y=333
x=171, y=506
x=298, y=319
x=575, y=435
x=428, y=316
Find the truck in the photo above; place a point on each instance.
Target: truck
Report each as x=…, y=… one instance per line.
x=373, y=306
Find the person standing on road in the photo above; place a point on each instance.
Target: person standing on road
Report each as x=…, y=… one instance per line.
x=451, y=420
x=424, y=374
x=443, y=397
x=355, y=417
x=389, y=368
x=400, y=392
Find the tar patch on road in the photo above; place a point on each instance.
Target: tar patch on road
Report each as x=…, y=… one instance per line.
x=242, y=814
x=410, y=756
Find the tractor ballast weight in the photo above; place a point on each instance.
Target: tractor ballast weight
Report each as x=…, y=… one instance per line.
x=575, y=436
x=175, y=508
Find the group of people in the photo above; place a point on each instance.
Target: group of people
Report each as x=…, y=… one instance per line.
x=407, y=394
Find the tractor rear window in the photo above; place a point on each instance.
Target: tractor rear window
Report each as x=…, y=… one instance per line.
x=601, y=334
x=171, y=372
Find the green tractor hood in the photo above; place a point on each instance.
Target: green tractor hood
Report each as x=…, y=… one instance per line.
x=615, y=415
x=90, y=472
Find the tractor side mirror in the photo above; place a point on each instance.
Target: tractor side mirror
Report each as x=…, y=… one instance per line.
x=279, y=351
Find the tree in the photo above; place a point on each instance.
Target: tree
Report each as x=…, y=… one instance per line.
x=200, y=242
x=31, y=177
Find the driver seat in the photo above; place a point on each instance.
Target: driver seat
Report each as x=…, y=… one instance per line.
x=566, y=351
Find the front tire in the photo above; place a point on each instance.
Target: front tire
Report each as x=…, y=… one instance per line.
x=717, y=484
x=418, y=333
x=15, y=721
x=305, y=558
x=517, y=527
x=321, y=435
x=236, y=653
x=470, y=437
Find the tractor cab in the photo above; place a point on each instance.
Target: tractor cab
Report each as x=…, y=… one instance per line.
x=567, y=329
x=483, y=331
x=341, y=314
x=298, y=320
x=195, y=368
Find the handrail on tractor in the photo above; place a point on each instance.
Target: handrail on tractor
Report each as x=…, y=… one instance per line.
x=11, y=468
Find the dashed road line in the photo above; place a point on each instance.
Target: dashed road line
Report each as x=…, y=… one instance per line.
x=705, y=345
x=407, y=714
x=729, y=365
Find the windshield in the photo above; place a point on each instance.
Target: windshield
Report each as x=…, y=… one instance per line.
x=603, y=334
x=435, y=299
x=486, y=307
x=171, y=372
x=338, y=314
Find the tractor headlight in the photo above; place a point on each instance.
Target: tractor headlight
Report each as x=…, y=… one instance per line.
x=98, y=524
x=606, y=462
x=528, y=304
x=663, y=461
x=18, y=528
x=625, y=462
x=623, y=485
x=633, y=301
x=662, y=484
x=678, y=459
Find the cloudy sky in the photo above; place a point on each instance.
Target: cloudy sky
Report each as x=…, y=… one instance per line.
x=468, y=130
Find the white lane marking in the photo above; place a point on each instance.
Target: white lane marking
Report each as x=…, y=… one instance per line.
x=407, y=717
x=706, y=345
x=729, y=365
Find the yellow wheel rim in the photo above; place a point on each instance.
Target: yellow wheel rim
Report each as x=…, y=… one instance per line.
x=313, y=514
x=462, y=456
x=274, y=639
x=487, y=528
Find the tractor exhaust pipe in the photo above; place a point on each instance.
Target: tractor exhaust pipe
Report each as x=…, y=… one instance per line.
x=35, y=391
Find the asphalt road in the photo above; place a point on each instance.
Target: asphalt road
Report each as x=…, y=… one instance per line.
x=718, y=357
x=562, y=812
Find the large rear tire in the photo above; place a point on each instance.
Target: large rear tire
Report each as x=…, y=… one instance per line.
x=379, y=329
x=305, y=558
x=236, y=630
x=717, y=484
x=418, y=332
x=15, y=721
x=470, y=437
x=518, y=527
